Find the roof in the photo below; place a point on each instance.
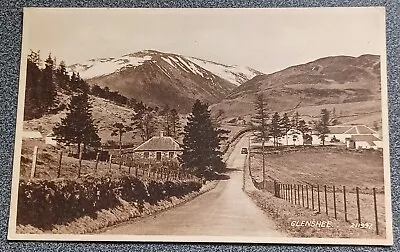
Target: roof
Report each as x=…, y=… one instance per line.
x=159, y=143
x=365, y=138
x=351, y=129
x=31, y=134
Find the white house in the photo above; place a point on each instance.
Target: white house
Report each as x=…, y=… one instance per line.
x=293, y=137
x=51, y=140
x=159, y=148
x=344, y=132
x=364, y=142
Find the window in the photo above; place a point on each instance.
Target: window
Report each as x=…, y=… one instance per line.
x=146, y=154
x=171, y=154
x=158, y=155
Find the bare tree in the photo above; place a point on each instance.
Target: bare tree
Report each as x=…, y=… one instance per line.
x=118, y=130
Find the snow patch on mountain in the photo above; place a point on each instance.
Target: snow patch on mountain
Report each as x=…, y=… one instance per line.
x=232, y=73
x=100, y=67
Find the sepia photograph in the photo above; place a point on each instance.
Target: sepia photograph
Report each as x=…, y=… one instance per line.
x=203, y=125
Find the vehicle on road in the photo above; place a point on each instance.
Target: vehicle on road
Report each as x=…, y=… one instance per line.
x=244, y=151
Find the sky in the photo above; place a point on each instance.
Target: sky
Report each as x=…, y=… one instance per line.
x=265, y=39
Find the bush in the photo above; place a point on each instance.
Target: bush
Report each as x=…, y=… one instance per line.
x=43, y=203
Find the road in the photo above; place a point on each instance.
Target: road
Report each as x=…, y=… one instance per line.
x=224, y=211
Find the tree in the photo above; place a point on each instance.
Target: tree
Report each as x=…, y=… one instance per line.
x=201, y=143
x=62, y=76
x=144, y=121
x=175, y=124
x=261, y=127
x=285, y=125
x=33, y=106
x=118, y=130
x=304, y=129
x=295, y=120
x=275, y=128
x=49, y=92
x=322, y=125
x=78, y=126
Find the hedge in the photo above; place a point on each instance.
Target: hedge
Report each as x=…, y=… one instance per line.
x=43, y=203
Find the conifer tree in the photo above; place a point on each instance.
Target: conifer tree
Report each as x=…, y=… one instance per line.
x=78, y=126
x=285, y=125
x=201, y=143
x=48, y=85
x=33, y=91
x=275, y=130
x=322, y=125
x=175, y=124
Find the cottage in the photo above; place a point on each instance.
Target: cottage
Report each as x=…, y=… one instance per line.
x=159, y=148
x=293, y=137
x=364, y=142
x=341, y=133
x=51, y=139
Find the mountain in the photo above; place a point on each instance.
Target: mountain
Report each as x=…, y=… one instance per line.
x=232, y=73
x=350, y=85
x=160, y=79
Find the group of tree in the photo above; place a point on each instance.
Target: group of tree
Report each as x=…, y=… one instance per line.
x=277, y=126
x=201, y=143
x=106, y=93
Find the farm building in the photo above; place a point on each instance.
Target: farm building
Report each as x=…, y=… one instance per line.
x=159, y=148
x=51, y=139
x=364, y=142
x=343, y=132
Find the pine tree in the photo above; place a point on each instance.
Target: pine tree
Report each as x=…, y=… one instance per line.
x=119, y=129
x=48, y=85
x=201, y=143
x=144, y=121
x=62, y=76
x=78, y=126
x=285, y=126
x=275, y=128
x=322, y=125
x=33, y=91
x=175, y=124
x=304, y=129
x=261, y=127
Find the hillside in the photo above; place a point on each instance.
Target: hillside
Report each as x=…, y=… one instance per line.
x=105, y=113
x=351, y=85
x=160, y=79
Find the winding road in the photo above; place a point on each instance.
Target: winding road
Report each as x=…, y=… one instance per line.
x=224, y=211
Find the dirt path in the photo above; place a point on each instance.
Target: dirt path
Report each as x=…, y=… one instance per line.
x=224, y=211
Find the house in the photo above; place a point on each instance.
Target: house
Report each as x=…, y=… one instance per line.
x=159, y=148
x=343, y=132
x=364, y=142
x=292, y=137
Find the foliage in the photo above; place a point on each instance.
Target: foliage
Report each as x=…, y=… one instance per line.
x=275, y=129
x=78, y=126
x=170, y=122
x=201, y=143
x=105, y=93
x=322, y=125
x=260, y=120
x=43, y=203
x=144, y=120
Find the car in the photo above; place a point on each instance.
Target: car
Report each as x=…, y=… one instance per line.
x=244, y=151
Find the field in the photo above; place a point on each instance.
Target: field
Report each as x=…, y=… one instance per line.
x=331, y=167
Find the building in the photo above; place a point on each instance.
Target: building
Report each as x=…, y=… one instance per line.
x=343, y=132
x=364, y=142
x=159, y=148
x=51, y=140
x=292, y=137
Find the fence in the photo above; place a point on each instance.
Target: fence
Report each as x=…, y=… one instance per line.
x=333, y=201
x=64, y=166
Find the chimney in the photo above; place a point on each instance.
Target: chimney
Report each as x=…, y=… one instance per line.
x=161, y=133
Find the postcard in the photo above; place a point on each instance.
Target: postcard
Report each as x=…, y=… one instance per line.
x=203, y=125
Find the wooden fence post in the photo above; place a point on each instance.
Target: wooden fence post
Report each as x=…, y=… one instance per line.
x=319, y=200
x=136, y=170
x=59, y=164
x=34, y=158
x=109, y=162
x=80, y=164
x=295, y=194
x=345, y=203
x=376, y=212
x=334, y=201
x=97, y=162
x=312, y=197
x=298, y=193
x=358, y=205
x=308, y=204
x=326, y=200
x=302, y=195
